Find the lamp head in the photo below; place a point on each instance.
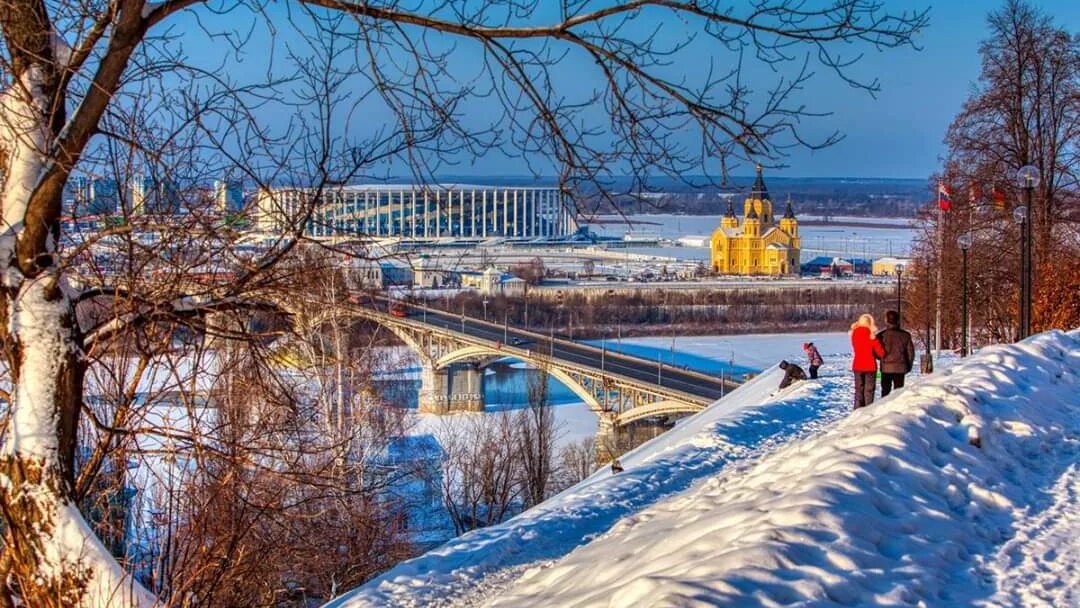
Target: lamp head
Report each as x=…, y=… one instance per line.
x=1027, y=176
x=964, y=241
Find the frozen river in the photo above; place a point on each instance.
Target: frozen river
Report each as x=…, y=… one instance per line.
x=892, y=238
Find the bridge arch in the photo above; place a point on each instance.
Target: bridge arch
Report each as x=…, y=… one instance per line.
x=469, y=353
x=659, y=408
x=409, y=340
x=482, y=352
x=436, y=357
x=405, y=336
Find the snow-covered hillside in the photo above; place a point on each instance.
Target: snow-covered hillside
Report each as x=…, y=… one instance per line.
x=747, y=422
x=908, y=501
x=961, y=488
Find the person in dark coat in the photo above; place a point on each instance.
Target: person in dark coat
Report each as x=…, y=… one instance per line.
x=866, y=350
x=899, y=353
x=815, y=358
x=792, y=373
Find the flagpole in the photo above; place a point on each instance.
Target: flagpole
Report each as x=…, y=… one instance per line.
x=940, y=267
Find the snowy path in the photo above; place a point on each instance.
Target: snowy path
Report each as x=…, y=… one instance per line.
x=1040, y=566
x=739, y=429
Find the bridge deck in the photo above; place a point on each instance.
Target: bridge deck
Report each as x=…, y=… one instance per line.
x=689, y=385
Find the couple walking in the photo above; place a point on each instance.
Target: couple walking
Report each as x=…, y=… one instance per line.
x=892, y=346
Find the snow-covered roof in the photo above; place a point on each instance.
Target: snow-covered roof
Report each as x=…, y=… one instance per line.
x=729, y=232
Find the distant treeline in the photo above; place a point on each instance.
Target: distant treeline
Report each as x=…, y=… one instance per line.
x=884, y=198
x=671, y=312
x=697, y=195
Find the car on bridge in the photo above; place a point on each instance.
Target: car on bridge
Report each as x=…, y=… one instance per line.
x=399, y=309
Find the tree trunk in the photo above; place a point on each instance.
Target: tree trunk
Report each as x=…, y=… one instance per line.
x=56, y=559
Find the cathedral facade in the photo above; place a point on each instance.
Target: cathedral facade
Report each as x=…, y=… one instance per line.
x=759, y=245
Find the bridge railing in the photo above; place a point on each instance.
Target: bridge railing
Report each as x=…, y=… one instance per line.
x=728, y=383
x=541, y=355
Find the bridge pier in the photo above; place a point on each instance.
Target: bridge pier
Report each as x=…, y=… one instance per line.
x=456, y=388
x=607, y=438
x=614, y=439
x=466, y=387
x=434, y=390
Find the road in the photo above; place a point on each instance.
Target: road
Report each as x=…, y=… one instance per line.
x=643, y=370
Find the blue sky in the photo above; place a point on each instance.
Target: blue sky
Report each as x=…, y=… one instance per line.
x=898, y=134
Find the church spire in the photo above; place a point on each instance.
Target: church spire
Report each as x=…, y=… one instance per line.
x=759, y=191
x=789, y=213
x=730, y=212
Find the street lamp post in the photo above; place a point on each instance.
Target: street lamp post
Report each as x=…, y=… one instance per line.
x=964, y=241
x=1028, y=178
x=899, y=284
x=1020, y=214
x=927, y=366
x=484, y=302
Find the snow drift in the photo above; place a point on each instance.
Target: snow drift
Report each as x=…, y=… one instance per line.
x=748, y=421
x=962, y=488
x=906, y=502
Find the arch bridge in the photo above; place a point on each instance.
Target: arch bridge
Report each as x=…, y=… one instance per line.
x=455, y=349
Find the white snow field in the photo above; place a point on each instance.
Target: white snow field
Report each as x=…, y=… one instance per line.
x=957, y=491
x=961, y=489
x=747, y=422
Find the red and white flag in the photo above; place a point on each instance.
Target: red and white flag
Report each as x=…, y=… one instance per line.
x=944, y=199
x=999, y=199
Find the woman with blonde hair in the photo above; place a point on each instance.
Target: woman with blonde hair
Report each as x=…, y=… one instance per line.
x=867, y=350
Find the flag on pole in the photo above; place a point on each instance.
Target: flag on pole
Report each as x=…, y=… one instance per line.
x=999, y=199
x=944, y=200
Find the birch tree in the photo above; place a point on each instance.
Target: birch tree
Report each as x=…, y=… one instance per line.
x=74, y=74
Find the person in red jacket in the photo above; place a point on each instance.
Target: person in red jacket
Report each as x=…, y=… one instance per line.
x=867, y=350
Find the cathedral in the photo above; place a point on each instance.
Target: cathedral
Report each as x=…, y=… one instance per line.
x=760, y=245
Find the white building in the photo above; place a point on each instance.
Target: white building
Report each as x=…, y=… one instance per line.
x=420, y=211
x=888, y=266
x=379, y=274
